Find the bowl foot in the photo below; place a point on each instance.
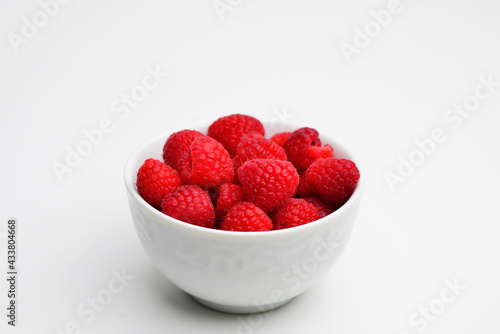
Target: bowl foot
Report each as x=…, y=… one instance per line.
x=240, y=309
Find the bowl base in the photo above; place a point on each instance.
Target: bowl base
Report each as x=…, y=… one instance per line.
x=240, y=309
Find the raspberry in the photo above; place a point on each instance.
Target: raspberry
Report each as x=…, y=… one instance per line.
x=229, y=196
x=323, y=209
x=281, y=138
x=229, y=130
x=235, y=179
x=246, y=217
x=191, y=204
x=207, y=163
x=304, y=147
x=237, y=162
x=155, y=180
x=294, y=212
x=333, y=179
x=213, y=192
x=255, y=146
x=177, y=145
x=267, y=183
x=305, y=188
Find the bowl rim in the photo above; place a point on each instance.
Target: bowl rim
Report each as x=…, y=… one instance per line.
x=130, y=174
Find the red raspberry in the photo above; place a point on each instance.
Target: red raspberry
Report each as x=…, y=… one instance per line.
x=229, y=196
x=237, y=162
x=255, y=146
x=155, y=180
x=333, y=179
x=246, y=217
x=305, y=188
x=267, y=183
x=191, y=204
x=323, y=209
x=207, y=163
x=235, y=179
x=304, y=147
x=229, y=130
x=294, y=212
x=213, y=192
x=177, y=145
x=281, y=138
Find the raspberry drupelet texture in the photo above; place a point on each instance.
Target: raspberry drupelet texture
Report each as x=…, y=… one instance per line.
x=281, y=138
x=230, y=129
x=267, y=183
x=191, y=204
x=305, y=188
x=246, y=217
x=323, y=209
x=303, y=147
x=334, y=180
x=294, y=212
x=155, y=180
x=229, y=195
x=255, y=146
x=177, y=145
x=207, y=163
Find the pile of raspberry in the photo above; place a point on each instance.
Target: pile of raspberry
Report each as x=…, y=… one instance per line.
x=235, y=179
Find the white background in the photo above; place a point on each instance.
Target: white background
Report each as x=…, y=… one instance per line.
x=273, y=60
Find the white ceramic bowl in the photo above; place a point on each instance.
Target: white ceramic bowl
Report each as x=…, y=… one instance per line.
x=239, y=272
